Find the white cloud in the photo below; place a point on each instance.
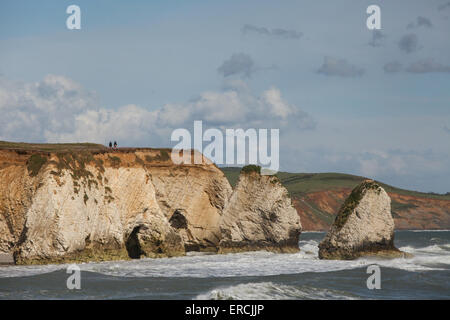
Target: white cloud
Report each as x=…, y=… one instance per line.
x=30, y=109
x=58, y=109
x=277, y=105
x=130, y=124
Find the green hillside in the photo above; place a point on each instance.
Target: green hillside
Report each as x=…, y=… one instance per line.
x=303, y=183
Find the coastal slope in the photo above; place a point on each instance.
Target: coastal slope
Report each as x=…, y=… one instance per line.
x=317, y=198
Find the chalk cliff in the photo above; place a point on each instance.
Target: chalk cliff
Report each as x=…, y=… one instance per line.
x=259, y=215
x=103, y=205
x=74, y=203
x=363, y=226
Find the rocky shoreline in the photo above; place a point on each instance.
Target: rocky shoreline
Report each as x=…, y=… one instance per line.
x=64, y=207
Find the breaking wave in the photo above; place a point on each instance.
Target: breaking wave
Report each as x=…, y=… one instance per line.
x=271, y=291
x=434, y=254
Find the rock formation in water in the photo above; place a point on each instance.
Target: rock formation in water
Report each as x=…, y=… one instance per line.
x=105, y=205
x=363, y=226
x=259, y=215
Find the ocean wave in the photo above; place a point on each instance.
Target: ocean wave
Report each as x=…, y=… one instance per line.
x=442, y=230
x=271, y=291
x=309, y=249
x=26, y=271
x=431, y=257
x=432, y=249
x=428, y=258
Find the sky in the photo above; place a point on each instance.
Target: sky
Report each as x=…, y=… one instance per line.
x=346, y=99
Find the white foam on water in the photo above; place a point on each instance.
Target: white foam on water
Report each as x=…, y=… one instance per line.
x=270, y=291
x=261, y=263
x=24, y=271
x=443, y=230
x=266, y=264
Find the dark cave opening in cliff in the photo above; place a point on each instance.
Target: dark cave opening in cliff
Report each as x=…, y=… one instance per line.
x=178, y=220
x=132, y=244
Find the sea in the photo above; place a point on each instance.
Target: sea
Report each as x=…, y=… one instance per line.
x=250, y=276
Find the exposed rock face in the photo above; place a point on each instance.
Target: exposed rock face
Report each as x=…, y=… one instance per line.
x=107, y=205
x=363, y=226
x=61, y=207
x=192, y=199
x=259, y=215
x=6, y=258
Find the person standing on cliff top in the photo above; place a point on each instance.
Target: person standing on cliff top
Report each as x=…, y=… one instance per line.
x=115, y=145
x=110, y=145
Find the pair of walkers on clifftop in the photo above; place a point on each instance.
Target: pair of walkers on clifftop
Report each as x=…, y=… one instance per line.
x=111, y=145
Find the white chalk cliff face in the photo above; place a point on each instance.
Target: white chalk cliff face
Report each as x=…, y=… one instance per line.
x=363, y=226
x=192, y=199
x=108, y=205
x=259, y=215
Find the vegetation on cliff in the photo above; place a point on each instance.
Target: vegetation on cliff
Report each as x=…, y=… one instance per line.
x=35, y=163
x=353, y=201
x=251, y=168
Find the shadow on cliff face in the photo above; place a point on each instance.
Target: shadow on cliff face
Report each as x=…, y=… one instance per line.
x=132, y=244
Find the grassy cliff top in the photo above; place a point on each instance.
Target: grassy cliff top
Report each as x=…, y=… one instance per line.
x=304, y=183
x=67, y=147
x=51, y=147
x=296, y=183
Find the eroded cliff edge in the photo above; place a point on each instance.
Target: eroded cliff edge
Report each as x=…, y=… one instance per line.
x=106, y=205
x=61, y=206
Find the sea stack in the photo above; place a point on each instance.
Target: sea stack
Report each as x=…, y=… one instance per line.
x=363, y=226
x=259, y=216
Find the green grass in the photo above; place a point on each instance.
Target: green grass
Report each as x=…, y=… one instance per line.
x=397, y=206
x=35, y=163
x=76, y=162
x=232, y=174
x=162, y=156
x=303, y=183
x=51, y=147
x=251, y=168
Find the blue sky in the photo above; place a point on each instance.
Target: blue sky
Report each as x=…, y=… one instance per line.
x=367, y=103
